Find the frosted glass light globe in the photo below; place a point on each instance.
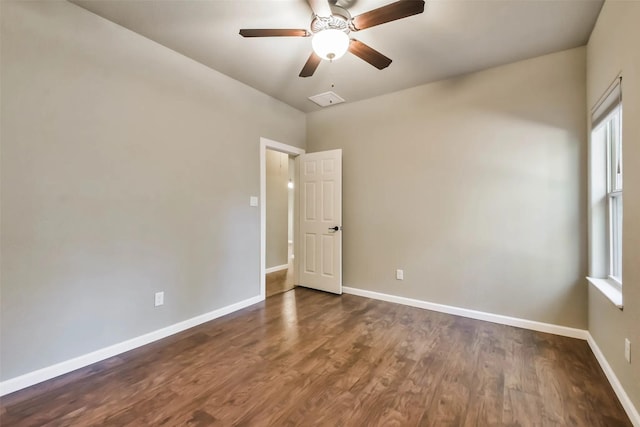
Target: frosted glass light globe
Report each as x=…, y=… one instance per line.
x=330, y=44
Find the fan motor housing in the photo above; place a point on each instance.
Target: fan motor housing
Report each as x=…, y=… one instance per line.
x=339, y=20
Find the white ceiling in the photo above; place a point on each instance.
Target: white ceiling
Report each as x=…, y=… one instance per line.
x=451, y=37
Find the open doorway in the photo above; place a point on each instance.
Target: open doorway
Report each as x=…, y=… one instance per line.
x=278, y=191
x=279, y=268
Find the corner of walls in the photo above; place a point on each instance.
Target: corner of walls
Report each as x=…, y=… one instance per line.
x=474, y=186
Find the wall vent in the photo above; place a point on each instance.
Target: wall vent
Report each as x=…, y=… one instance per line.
x=326, y=99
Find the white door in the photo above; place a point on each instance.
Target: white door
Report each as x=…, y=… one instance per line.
x=321, y=220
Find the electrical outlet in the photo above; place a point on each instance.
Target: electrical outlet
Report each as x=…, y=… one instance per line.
x=159, y=298
x=627, y=350
x=399, y=274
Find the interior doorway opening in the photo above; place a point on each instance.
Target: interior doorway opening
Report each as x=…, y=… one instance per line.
x=278, y=216
x=279, y=267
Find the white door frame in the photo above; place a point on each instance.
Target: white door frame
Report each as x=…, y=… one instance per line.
x=283, y=148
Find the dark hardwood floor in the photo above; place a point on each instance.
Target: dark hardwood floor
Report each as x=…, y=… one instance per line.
x=309, y=358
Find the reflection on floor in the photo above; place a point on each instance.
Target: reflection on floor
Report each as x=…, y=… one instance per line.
x=279, y=281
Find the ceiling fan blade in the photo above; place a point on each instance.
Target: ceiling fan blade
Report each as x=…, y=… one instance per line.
x=311, y=65
x=275, y=32
x=368, y=54
x=320, y=7
x=391, y=12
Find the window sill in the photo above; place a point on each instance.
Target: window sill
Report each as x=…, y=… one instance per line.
x=609, y=289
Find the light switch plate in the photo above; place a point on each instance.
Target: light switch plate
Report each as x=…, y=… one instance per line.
x=627, y=350
x=253, y=201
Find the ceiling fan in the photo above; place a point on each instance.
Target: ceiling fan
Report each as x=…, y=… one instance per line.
x=330, y=27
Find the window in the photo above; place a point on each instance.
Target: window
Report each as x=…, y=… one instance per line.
x=613, y=140
x=605, y=194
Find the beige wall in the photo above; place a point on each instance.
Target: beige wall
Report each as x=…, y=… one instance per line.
x=475, y=186
x=277, y=208
x=612, y=48
x=126, y=169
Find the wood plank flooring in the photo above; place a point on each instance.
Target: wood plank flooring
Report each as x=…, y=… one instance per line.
x=309, y=358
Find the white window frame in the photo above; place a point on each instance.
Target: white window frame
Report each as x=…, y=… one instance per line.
x=605, y=194
x=613, y=122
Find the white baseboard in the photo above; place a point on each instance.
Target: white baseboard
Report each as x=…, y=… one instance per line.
x=276, y=268
x=626, y=402
x=473, y=314
x=35, y=377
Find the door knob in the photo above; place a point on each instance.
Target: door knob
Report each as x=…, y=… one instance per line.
x=336, y=228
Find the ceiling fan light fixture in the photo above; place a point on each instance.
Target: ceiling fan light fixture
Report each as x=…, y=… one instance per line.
x=330, y=44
